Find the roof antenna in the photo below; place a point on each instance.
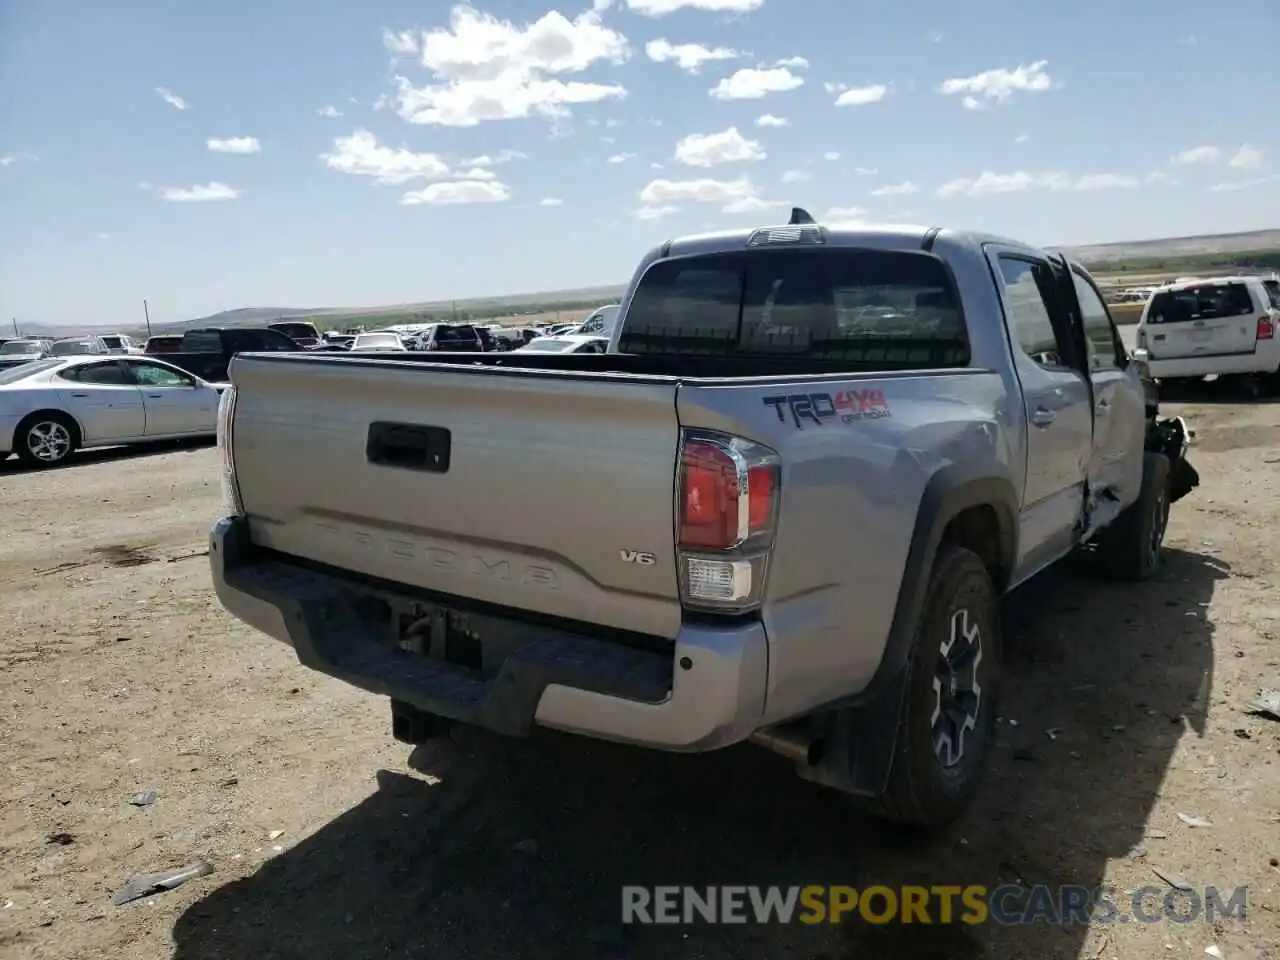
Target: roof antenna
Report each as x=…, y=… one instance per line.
x=800, y=215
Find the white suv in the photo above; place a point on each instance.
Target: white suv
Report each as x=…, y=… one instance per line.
x=1224, y=326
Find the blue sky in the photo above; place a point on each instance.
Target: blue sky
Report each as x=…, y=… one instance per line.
x=280, y=153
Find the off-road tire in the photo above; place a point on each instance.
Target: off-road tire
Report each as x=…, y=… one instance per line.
x=1132, y=548
x=23, y=438
x=922, y=792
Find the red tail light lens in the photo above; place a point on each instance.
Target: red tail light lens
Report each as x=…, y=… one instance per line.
x=760, y=485
x=709, y=498
x=727, y=492
x=1266, y=328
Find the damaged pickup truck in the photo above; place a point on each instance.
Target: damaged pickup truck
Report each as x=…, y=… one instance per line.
x=784, y=507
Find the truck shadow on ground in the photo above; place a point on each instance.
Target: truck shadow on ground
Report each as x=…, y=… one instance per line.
x=519, y=849
x=87, y=458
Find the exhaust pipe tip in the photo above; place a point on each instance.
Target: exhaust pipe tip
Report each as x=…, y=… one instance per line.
x=794, y=743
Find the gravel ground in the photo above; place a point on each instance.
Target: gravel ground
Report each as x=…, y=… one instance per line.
x=122, y=674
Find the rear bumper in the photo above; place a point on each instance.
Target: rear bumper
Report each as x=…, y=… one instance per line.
x=1258, y=362
x=707, y=692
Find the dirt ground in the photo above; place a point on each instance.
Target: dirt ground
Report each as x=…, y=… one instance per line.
x=121, y=674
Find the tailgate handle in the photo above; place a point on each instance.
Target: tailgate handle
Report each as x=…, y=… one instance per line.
x=409, y=446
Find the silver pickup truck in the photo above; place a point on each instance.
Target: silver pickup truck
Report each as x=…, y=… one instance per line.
x=783, y=508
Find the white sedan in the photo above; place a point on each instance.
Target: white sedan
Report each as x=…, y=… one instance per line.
x=51, y=408
x=566, y=343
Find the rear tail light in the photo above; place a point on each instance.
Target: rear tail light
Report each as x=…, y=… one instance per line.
x=727, y=516
x=1266, y=328
x=226, y=415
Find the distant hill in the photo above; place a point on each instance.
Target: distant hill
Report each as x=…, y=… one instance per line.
x=1176, y=247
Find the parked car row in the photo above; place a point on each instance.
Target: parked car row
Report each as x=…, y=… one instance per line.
x=588, y=336
x=57, y=396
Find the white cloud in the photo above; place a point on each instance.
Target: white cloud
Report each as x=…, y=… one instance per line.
x=866, y=171
x=401, y=43
x=998, y=85
x=660, y=193
x=475, y=173
x=1107, y=181
x=361, y=154
x=206, y=193
x=794, y=176
x=650, y=212
x=622, y=157
x=793, y=63
x=660, y=8
x=1232, y=185
x=831, y=155
x=844, y=213
x=1246, y=158
x=904, y=189
x=988, y=183
x=490, y=69
x=8, y=160
x=458, y=191
x=551, y=202
x=489, y=160
x=769, y=120
x=330, y=111
x=1162, y=178
x=713, y=149
x=753, y=205
x=171, y=98
x=1205, y=154
x=1022, y=138
x=104, y=236
x=234, y=145
x=687, y=56
x=857, y=96
x=753, y=83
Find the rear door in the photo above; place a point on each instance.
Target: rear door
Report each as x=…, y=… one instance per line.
x=175, y=402
x=1119, y=420
x=1058, y=406
x=103, y=399
x=1205, y=319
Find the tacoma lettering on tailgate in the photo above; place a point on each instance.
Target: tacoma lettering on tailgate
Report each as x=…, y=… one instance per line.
x=820, y=408
x=412, y=550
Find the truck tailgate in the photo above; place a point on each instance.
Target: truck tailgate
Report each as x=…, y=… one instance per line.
x=540, y=485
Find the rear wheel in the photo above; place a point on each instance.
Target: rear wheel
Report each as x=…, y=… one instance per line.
x=1132, y=548
x=948, y=717
x=46, y=439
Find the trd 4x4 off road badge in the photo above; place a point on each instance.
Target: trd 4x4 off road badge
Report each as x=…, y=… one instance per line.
x=820, y=408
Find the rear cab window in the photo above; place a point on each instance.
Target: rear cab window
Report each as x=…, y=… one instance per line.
x=1204, y=301
x=1273, y=292
x=888, y=307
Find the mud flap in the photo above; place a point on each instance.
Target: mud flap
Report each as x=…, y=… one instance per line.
x=859, y=743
